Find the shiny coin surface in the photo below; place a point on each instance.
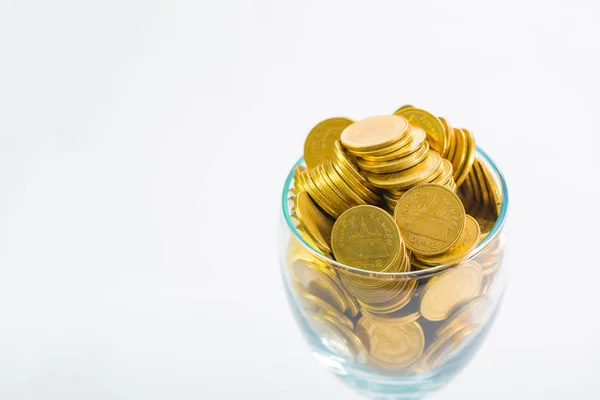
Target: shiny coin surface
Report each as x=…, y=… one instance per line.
x=366, y=237
x=383, y=167
x=338, y=338
x=403, y=108
x=391, y=344
x=436, y=134
x=460, y=154
x=493, y=187
x=417, y=139
x=431, y=218
x=444, y=292
x=318, y=146
x=349, y=171
x=473, y=313
x=408, y=177
x=349, y=195
x=315, y=222
x=400, y=299
x=446, y=347
x=317, y=196
x=469, y=156
x=374, y=132
x=467, y=241
x=304, y=274
x=314, y=304
x=449, y=134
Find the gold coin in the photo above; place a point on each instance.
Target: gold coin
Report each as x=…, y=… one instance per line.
x=444, y=292
x=370, y=295
x=353, y=307
x=349, y=171
x=318, y=146
x=336, y=202
x=449, y=154
x=486, y=284
x=351, y=341
x=298, y=185
x=446, y=174
x=366, y=237
x=396, y=318
x=490, y=264
x=403, y=108
x=384, y=151
x=434, y=175
x=338, y=338
x=347, y=200
x=315, y=222
x=396, y=303
x=365, y=194
x=445, y=348
x=304, y=274
x=383, y=167
x=314, y=304
x=476, y=186
x=300, y=179
x=431, y=218
x=342, y=186
x=449, y=135
x=376, y=289
x=400, y=317
x=436, y=134
x=461, y=152
x=467, y=241
x=467, y=194
x=298, y=251
x=374, y=133
x=494, y=189
x=418, y=137
x=469, y=157
x=473, y=313
x=408, y=177
x=365, y=287
x=319, y=197
x=482, y=182
x=391, y=344
x=416, y=264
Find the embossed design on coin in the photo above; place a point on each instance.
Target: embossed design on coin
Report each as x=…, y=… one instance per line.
x=366, y=237
x=466, y=243
x=431, y=218
x=318, y=146
x=391, y=343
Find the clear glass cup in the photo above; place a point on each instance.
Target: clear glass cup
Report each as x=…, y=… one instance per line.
x=393, y=335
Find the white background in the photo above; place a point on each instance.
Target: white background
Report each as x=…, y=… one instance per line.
x=144, y=144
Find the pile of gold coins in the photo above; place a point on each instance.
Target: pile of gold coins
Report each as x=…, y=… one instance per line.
x=384, y=197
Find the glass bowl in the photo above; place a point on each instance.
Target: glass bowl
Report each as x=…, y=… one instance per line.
x=393, y=335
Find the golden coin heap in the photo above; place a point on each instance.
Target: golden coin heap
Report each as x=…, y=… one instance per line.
x=385, y=196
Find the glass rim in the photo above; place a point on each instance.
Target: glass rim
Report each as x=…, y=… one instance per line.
x=412, y=274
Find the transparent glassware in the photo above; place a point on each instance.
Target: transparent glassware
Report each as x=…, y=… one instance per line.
x=393, y=335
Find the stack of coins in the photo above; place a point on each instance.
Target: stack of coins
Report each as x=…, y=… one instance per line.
x=366, y=237
x=454, y=144
x=460, y=327
x=481, y=196
x=395, y=156
x=379, y=160
x=336, y=184
x=382, y=197
x=451, y=309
